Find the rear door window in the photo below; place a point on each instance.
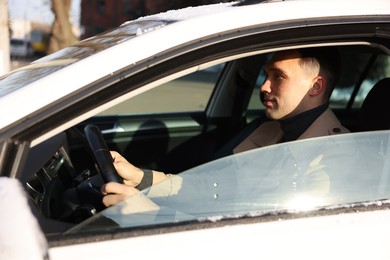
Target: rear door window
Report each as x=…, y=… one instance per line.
x=364, y=69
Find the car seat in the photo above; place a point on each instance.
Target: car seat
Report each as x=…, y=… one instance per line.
x=375, y=111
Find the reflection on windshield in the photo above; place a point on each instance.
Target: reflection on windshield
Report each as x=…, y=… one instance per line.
x=80, y=50
x=295, y=176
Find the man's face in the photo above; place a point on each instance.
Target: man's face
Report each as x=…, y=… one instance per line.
x=286, y=86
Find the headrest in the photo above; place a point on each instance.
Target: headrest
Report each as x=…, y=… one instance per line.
x=375, y=110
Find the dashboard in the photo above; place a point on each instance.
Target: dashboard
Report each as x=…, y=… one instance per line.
x=57, y=188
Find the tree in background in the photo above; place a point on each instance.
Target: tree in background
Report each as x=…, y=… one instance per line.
x=4, y=38
x=61, y=34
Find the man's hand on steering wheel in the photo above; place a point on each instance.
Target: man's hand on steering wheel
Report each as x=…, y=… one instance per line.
x=101, y=153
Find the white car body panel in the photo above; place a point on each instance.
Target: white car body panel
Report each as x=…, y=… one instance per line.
x=362, y=235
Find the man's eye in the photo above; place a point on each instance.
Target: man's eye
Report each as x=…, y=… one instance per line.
x=278, y=76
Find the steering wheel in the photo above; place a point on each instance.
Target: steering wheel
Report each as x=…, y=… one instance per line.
x=101, y=153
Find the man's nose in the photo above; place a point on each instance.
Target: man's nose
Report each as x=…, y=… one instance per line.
x=266, y=87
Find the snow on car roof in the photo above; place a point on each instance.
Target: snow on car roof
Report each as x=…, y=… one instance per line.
x=188, y=12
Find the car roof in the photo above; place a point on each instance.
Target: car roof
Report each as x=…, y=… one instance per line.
x=166, y=31
x=302, y=8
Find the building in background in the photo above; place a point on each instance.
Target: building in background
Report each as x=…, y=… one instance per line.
x=100, y=15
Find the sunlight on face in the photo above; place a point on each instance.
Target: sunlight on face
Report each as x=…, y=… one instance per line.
x=286, y=86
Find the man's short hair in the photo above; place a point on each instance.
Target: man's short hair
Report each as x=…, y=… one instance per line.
x=328, y=60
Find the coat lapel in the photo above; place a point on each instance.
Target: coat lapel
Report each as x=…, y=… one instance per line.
x=326, y=124
x=266, y=134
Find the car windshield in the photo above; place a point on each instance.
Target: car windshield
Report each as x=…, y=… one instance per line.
x=303, y=175
x=71, y=54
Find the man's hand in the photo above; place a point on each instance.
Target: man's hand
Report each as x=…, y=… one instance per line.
x=130, y=174
x=115, y=192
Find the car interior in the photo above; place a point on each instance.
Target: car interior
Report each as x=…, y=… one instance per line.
x=65, y=187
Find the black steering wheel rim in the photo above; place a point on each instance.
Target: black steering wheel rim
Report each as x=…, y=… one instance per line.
x=101, y=154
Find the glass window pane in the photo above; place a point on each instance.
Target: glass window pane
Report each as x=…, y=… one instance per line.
x=190, y=93
x=380, y=70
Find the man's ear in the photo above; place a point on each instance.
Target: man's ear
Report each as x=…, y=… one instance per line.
x=318, y=87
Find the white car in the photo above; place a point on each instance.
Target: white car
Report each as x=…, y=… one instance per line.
x=174, y=92
x=20, y=48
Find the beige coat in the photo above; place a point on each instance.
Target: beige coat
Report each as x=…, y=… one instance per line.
x=271, y=132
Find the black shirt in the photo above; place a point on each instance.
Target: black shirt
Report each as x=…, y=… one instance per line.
x=295, y=126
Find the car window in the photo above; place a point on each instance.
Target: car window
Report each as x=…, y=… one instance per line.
x=303, y=175
x=379, y=70
x=189, y=93
x=353, y=71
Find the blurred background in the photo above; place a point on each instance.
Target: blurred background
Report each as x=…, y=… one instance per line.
x=32, y=29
